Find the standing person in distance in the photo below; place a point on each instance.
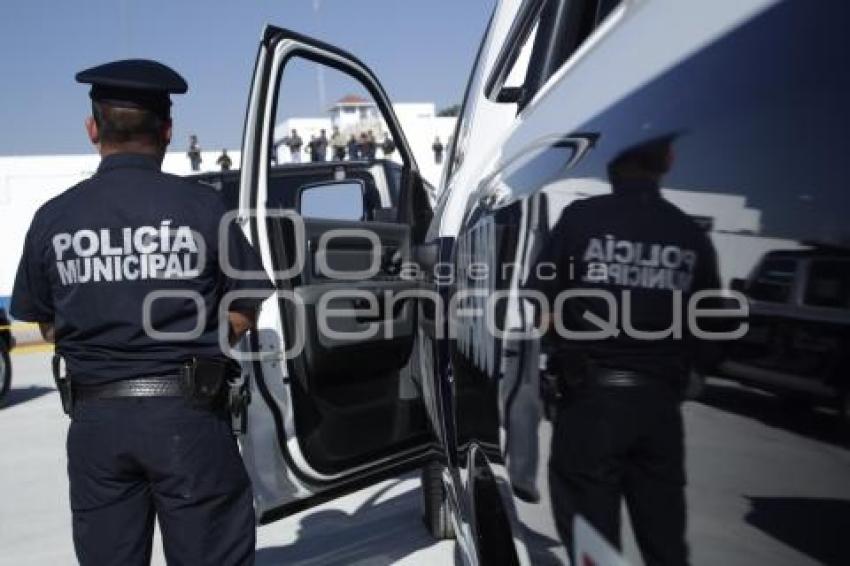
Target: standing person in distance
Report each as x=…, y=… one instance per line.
x=387, y=146
x=437, y=147
x=371, y=146
x=224, y=161
x=295, y=144
x=322, y=146
x=194, y=153
x=353, y=148
x=338, y=145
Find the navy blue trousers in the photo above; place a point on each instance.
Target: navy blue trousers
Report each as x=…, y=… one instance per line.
x=611, y=443
x=130, y=460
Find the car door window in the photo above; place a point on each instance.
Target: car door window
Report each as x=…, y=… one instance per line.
x=828, y=284
x=329, y=128
x=338, y=242
x=774, y=280
x=519, y=68
x=544, y=36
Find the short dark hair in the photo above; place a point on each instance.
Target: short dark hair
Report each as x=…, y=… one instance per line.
x=122, y=125
x=650, y=159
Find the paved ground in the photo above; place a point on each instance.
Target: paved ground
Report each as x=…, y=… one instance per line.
x=767, y=486
x=377, y=526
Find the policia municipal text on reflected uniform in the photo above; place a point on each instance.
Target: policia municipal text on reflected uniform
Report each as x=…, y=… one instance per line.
x=149, y=435
x=618, y=431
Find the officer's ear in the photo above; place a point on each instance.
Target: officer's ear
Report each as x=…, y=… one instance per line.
x=166, y=132
x=92, y=130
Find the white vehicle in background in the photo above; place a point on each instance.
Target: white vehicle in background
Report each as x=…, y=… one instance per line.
x=559, y=88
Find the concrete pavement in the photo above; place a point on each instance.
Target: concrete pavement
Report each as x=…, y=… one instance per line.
x=767, y=485
x=376, y=526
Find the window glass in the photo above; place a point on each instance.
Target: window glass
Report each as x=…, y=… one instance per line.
x=334, y=201
x=516, y=76
x=774, y=280
x=829, y=284
x=324, y=114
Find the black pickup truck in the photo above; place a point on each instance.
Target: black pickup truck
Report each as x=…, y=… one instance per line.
x=798, y=343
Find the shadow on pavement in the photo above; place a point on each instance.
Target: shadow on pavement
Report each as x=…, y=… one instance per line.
x=815, y=527
x=376, y=533
x=774, y=411
x=23, y=394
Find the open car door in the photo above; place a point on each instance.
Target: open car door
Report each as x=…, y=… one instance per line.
x=334, y=403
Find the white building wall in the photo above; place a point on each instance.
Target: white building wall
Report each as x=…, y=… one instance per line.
x=348, y=117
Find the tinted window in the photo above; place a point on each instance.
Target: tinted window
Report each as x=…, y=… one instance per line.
x=565, y=26
x=604, y=8
x=774, y=280
x=519, y=67
x=829, y=284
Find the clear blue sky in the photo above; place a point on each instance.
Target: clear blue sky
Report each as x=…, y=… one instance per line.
x=422, y=50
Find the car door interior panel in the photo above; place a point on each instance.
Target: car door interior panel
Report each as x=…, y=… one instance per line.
x=350, y=403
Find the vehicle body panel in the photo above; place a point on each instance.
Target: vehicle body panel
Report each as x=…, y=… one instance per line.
x=756, y=164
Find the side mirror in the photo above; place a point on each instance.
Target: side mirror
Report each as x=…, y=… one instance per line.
x=337, y=200
x=738, y=284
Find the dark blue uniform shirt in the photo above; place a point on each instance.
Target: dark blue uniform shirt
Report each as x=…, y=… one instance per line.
x=630, y=242
x=94, y=255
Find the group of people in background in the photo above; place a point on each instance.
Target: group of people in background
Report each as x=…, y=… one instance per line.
x=365, y=148
x=195, y=159
x=362, y=147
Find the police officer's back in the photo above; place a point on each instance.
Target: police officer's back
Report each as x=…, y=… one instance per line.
x=123, y=272
x=619, y=429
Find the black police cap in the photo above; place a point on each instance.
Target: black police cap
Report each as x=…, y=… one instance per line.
x=134, y=83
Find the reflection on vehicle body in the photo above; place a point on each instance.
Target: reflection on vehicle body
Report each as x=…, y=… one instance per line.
x=799, y=326
x=558, y=91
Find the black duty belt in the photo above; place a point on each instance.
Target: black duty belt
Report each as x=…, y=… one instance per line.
x=157, y=386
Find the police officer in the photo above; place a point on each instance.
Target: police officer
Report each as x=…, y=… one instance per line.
x=194, y=153
x=437, y=147
x=387, y=146
x=618, y=430
x=123, y=272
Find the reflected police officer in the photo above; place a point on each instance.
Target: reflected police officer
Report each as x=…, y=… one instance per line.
x=618, y=431
x=147, y=377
